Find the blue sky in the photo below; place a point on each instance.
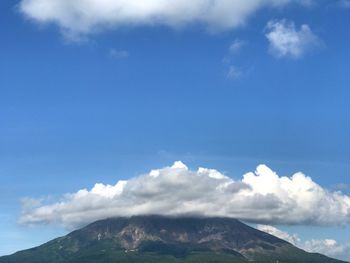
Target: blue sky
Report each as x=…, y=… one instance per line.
x=79, y=107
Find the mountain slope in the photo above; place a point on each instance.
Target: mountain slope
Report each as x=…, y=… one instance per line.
x=161, y=239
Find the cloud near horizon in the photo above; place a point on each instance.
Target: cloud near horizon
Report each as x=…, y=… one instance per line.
x=87, y=16
x=329, y=247
x=261, y=197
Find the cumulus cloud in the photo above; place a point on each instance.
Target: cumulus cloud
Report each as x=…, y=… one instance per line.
x=261, y=197
x=86, y=16
x=286, y=40
x=329, y=247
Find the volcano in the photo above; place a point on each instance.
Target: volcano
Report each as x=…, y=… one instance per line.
x=159, y=239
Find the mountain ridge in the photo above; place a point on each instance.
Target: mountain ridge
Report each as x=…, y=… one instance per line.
x=166, y=239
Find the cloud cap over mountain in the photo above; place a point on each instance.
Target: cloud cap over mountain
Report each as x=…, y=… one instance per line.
x=260, y=197
x=86, y=16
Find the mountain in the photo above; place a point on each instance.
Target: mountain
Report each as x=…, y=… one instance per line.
x=156, y=239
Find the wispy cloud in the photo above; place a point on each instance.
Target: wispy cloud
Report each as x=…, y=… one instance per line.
x=236, y=46
x=261, y=197
x=233, y=72
x=329, y=247
x=118, y=54
x=286, y=40
x=344, y=3
x=87, y=16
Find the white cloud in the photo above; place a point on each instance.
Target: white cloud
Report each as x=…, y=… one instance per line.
x=260, y=197
x=118, y=54
x=286, y=40
x=86, y=16
x=293, y=239
x=329, y=247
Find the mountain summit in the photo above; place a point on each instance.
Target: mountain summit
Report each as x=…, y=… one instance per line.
x=166, y=239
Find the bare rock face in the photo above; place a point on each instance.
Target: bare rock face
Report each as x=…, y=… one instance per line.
x=215, y=234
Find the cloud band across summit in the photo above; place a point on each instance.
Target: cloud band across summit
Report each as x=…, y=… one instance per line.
x=259, y=197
